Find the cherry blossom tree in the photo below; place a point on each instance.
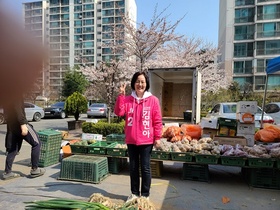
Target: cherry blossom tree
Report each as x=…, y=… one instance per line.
x=192, y=52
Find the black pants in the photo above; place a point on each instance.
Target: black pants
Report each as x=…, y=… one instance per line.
x=15, y=142
x=140, y=153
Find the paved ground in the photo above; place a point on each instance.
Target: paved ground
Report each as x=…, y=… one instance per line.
x=168, y=192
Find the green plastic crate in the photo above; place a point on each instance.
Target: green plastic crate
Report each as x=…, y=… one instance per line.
x=196, y=172
x=233, y=161
x=119, y=152
x=161, y=155
x=100, y=147
x=116, y=164
x=206, y=159
x=261, y=162
x=227, y=122
x=50, y=139
x=84, y=168
x=79, y=149
x=262, y=177
x=48, y=158
x=50, y=147
x=182, y=156
x=115, y=137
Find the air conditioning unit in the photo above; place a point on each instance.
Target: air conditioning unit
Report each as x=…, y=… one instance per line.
x=80, y=2
x=81, y=39
x=80, y=16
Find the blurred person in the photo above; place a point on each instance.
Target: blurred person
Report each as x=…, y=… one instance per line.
x=18, y=129
x=143, y=129
x=21, y=58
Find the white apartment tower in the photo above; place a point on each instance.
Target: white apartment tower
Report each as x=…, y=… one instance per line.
x=74, y=30
x=249, y=36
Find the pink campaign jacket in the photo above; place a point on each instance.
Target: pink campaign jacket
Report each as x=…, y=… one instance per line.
x=143, y=120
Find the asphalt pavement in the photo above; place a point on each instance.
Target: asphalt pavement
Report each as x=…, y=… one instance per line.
x=225, y=188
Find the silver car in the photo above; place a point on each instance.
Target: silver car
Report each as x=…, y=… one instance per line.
x=33, y=112
x=228, y=110
x=97, y=110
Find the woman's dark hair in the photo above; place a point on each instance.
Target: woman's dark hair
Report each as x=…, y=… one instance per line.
x=134, y=79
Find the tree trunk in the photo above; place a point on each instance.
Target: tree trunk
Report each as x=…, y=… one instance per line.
x=77, y=115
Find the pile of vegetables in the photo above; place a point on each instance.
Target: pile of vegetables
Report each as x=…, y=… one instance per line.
x=95, y=202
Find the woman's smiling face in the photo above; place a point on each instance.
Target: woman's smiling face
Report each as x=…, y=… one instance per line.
x=140, y=85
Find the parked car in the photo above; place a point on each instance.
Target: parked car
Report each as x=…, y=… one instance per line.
x=32, y=112
x=273, y=109
x=97, y=110
x=56, y=110
x=228, y=110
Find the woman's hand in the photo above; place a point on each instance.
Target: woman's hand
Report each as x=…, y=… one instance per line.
x=24, y=130
x=122, y=89
x=157, y=144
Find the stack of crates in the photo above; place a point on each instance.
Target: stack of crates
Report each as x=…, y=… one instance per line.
x=245, y=115
x=84, y=168
x=196, y=172
x=50, y=147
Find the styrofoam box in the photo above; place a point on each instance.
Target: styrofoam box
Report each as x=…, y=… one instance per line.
x=245, y=117
x=250, y=139
x=91, y=136
x=247, y=106
x=209, y=122
x=245, y=128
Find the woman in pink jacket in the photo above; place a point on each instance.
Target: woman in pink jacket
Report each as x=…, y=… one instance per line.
x=143, y=129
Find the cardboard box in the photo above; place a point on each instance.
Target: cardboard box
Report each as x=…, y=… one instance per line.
x=245, y=128
x=245, y=117
x=250, y=139
x=231, y=140
x=247, y=106
x=209, y=132
x=209, y=123
x=227, y=131
x=91, y=136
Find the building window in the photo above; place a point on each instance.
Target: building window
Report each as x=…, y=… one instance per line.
x=268, y=12
x=243, y=67
x=88, y=7
x=260, y=82
x=270, y=47
x=244, y=15
x=88, y=22
x=77, y=23
x=242, y=81
x=244, y=2
x=244, y=32
x=243, y=49
x=270, y=29
x=88, y=44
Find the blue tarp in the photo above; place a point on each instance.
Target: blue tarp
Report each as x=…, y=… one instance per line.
x=273, y=65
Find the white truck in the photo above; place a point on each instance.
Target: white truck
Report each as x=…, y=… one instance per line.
x=178, y=90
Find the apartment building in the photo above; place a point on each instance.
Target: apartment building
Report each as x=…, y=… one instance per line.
x=75, y=31
x=249, y=36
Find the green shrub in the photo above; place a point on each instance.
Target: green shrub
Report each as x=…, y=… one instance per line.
x=103, y=128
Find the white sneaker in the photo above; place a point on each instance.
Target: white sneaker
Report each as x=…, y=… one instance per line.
x=131, y=198
x=147, y=198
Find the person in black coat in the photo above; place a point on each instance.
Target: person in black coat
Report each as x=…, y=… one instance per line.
x=18, y=129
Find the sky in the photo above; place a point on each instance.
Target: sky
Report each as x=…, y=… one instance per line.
x=201, y=16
